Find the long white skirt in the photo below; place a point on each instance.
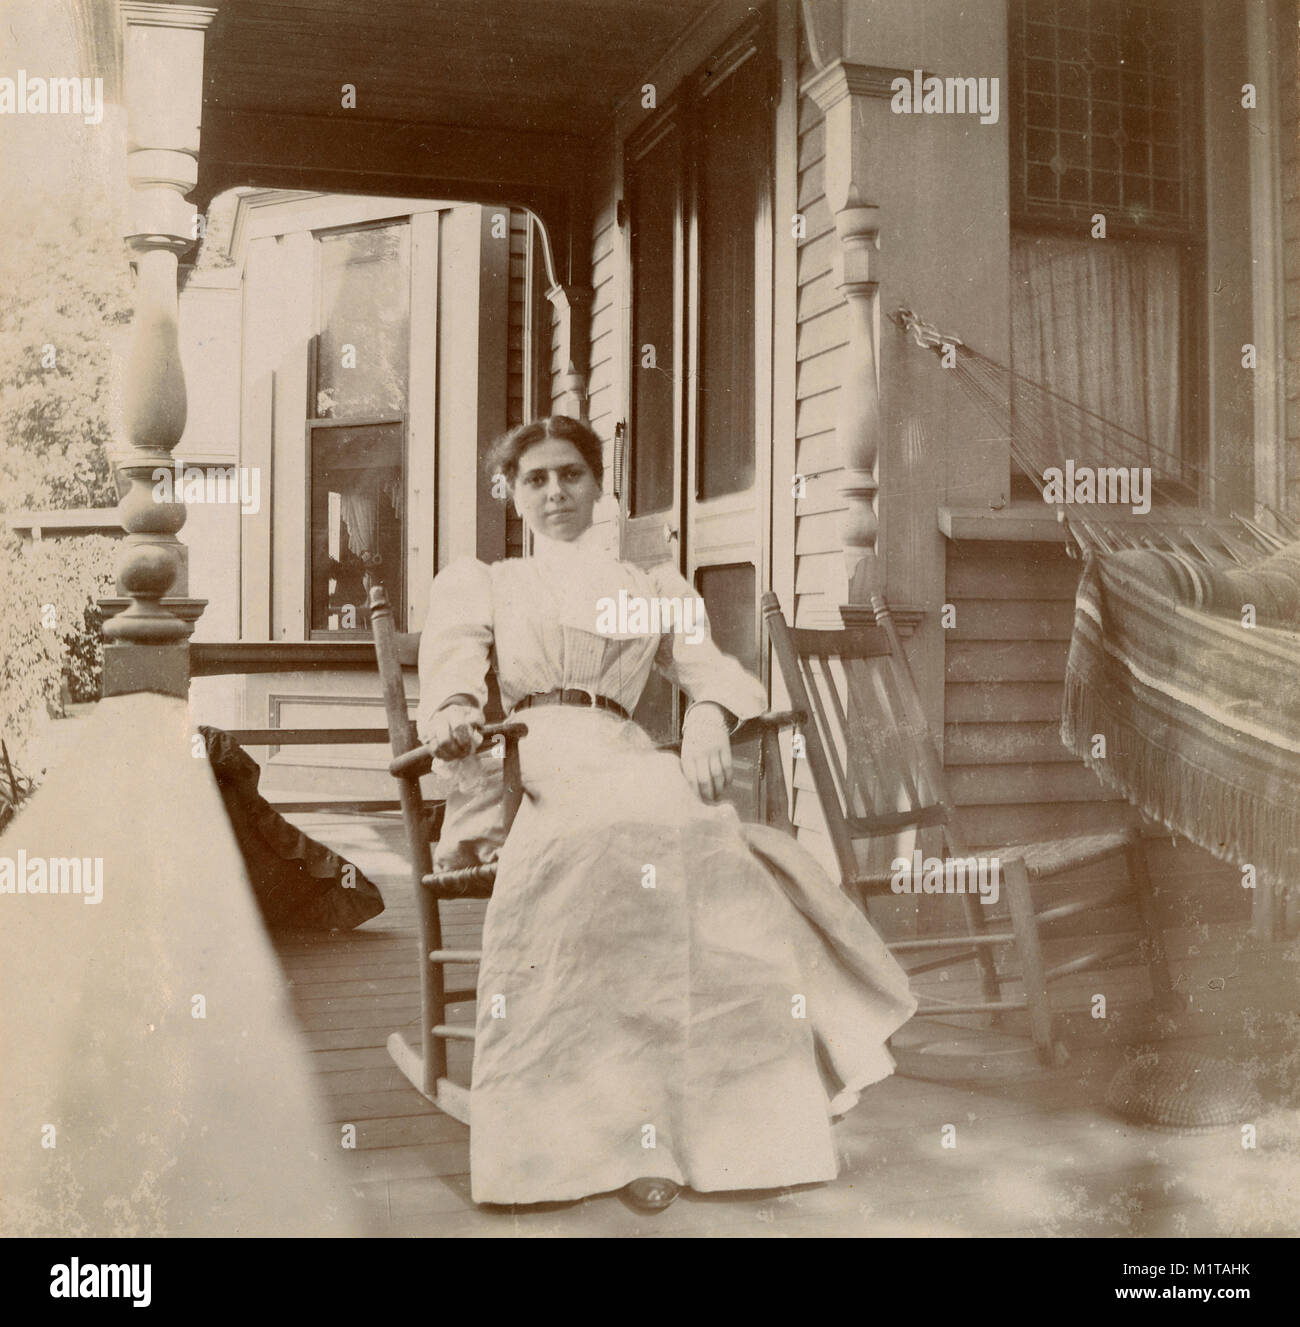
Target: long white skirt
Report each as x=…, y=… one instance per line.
x=664, y=990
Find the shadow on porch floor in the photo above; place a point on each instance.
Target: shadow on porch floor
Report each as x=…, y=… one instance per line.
x=1038, y=1156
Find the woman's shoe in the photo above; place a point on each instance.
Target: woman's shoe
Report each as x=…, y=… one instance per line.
x=650, y=1194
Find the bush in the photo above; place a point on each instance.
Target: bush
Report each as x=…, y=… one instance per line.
x=14, y=788
x=50, y=630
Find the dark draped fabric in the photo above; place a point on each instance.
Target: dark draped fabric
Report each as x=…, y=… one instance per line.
x=297, y=882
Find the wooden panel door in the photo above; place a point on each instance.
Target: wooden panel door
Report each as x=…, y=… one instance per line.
x=697, y=182
x=726, y=498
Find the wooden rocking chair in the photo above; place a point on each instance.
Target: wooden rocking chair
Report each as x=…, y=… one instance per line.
x=426, y=1065
x=877, y=772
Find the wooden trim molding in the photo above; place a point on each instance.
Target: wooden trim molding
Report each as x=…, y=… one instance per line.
x=222, y=658
x=829, y=86
x=906, y=618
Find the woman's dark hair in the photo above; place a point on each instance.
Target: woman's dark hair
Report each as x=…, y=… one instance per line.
x=503, y=456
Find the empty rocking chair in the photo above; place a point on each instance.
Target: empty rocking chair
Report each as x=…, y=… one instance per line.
x=877, y=772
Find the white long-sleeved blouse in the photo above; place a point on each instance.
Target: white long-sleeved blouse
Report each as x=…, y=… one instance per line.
x=569, y=617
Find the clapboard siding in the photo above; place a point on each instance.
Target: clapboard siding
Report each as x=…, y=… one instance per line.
x=605, y=348
x=1004, y=667
x=603, y=387
x=516, y=361
x=516, y=357
x=1012, y=779
x=821, y=332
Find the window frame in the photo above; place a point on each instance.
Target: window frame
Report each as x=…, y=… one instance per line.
x=681, y=113
x=313, y=423
x=1189, y=241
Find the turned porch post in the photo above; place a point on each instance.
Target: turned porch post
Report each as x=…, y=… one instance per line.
x=145, y=644
x=840, y=90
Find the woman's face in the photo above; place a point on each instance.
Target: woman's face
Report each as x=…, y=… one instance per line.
x=555, y=490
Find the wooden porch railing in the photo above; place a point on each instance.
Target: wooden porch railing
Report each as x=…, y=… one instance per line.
x=246, y=658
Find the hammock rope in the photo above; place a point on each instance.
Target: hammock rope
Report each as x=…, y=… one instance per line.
x=1047, y=429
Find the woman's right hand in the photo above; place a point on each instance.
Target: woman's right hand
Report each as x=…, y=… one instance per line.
x=456, y=731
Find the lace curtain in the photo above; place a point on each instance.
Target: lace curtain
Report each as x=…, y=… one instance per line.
x=1097, y=321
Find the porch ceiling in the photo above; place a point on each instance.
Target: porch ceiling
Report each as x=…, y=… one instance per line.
x=488, y=100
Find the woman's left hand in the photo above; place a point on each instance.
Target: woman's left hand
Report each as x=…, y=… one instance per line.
x=706, y=750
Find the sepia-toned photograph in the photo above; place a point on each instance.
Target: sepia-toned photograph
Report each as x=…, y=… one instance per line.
x=650, y=618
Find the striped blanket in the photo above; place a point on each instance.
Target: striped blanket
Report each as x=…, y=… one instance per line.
x=1200, y=712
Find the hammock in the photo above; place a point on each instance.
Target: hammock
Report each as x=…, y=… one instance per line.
x=1185, y=651
x=1199, y=714
x=1048, y=430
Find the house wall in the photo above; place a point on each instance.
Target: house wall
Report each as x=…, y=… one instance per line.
x=821, y=335
x=1288, y=29
x=210, y=312
x=943, y=254
x=607, y=367
x=247, y=367
x=1009, y=774
x=992, y=685
x=518, y=359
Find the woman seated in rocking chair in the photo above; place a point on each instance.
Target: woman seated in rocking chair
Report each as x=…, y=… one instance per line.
x=667, y=996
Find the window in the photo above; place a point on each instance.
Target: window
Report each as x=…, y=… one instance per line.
x=1105, y=101
x=654, y=205
x=357, y=432
x=695, y=182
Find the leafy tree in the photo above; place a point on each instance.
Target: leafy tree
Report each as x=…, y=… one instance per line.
x=64, y=295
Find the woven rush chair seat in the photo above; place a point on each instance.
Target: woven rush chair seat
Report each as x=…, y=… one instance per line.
x=1040, y=859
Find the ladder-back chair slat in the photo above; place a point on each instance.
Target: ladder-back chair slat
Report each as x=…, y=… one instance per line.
x=825, y=730
x=857, y=778
x=792, y=671
x=885, y=738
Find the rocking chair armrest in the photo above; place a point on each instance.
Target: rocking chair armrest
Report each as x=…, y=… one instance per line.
x=772, y=721
x=418, y=761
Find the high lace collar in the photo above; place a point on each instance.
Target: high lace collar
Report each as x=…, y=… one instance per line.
x=594, y=544
x=582, y=574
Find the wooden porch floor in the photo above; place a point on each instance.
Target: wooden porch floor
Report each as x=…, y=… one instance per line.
x=1037, y=1156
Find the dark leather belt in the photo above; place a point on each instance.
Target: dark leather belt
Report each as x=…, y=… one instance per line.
x=572, y=696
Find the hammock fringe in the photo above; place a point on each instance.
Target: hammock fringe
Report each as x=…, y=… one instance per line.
x=1229, y=822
